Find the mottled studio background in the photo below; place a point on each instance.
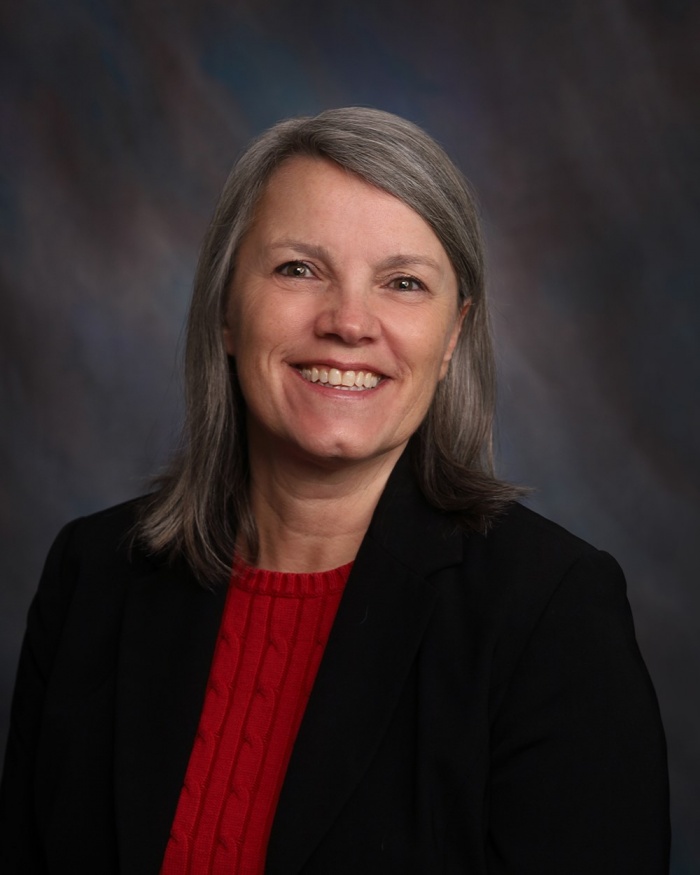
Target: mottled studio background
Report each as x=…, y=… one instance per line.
x=578, y=123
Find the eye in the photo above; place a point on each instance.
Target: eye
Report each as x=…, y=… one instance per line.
x=407, y=284
x=296, y=269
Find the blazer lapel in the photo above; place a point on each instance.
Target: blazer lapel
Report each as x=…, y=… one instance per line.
x=382, y=617
x=170, y=629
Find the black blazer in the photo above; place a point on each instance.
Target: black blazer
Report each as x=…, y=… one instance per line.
x=481, y=707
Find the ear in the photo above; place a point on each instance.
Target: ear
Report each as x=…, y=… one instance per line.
x=454, y=337
x=229, y=345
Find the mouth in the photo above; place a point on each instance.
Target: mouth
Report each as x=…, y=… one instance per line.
x=351, y=380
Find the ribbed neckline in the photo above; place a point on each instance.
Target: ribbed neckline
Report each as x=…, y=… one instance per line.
x=288, y=584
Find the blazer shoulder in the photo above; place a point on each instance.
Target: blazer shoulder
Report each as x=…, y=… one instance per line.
x=111, y=521
x=522, y=539
x=108, y=534
x=520, y=523
x=92, y=551
x=526, y=563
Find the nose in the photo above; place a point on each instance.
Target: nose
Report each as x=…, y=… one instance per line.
x=347, y=313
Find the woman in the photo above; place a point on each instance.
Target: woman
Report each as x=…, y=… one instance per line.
x=331, y=641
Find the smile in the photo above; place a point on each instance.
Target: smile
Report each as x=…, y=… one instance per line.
x=352, y=380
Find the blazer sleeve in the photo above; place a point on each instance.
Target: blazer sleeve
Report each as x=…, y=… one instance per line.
x=578, y=771
x=20, y=845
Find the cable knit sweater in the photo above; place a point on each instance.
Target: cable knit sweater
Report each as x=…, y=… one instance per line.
x=271, y=640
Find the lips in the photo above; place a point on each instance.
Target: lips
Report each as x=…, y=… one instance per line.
x=359, y=380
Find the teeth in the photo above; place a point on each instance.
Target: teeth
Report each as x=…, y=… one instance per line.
x=353, y=380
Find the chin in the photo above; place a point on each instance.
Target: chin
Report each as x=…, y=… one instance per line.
x=344, y=451
x=336, y=452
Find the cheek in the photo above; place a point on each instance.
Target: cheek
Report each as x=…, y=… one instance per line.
x=258, y=333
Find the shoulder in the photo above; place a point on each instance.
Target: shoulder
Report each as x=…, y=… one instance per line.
x=82, y=590
x=93, y=554
x=524, y=550
x=110, y=523
x=545, y=597
x=529, y=574
x=521, y=553
x=526, y=532
x=107, y=535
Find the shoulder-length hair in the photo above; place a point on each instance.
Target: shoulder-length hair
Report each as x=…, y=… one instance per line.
x=201, y=503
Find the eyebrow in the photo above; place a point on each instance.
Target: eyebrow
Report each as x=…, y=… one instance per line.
x=306, y=248
x=406, y=259
x=401, y=259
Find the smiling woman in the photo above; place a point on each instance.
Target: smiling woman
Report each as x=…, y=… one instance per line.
x=336, y=279
x=331, y=640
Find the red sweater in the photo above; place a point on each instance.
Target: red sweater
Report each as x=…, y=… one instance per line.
x=271, y=640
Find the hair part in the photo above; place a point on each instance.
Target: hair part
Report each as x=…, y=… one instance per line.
x=201, y=503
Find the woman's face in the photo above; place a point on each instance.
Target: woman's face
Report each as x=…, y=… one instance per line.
x=342, y=317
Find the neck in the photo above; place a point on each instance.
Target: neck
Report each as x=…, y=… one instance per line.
x=312, y=517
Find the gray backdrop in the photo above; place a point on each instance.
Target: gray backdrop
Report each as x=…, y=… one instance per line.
x=577, y=122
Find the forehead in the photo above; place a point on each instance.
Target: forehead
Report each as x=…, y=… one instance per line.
x=321, y=197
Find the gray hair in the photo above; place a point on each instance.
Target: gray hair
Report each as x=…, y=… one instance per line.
x=201, y=502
